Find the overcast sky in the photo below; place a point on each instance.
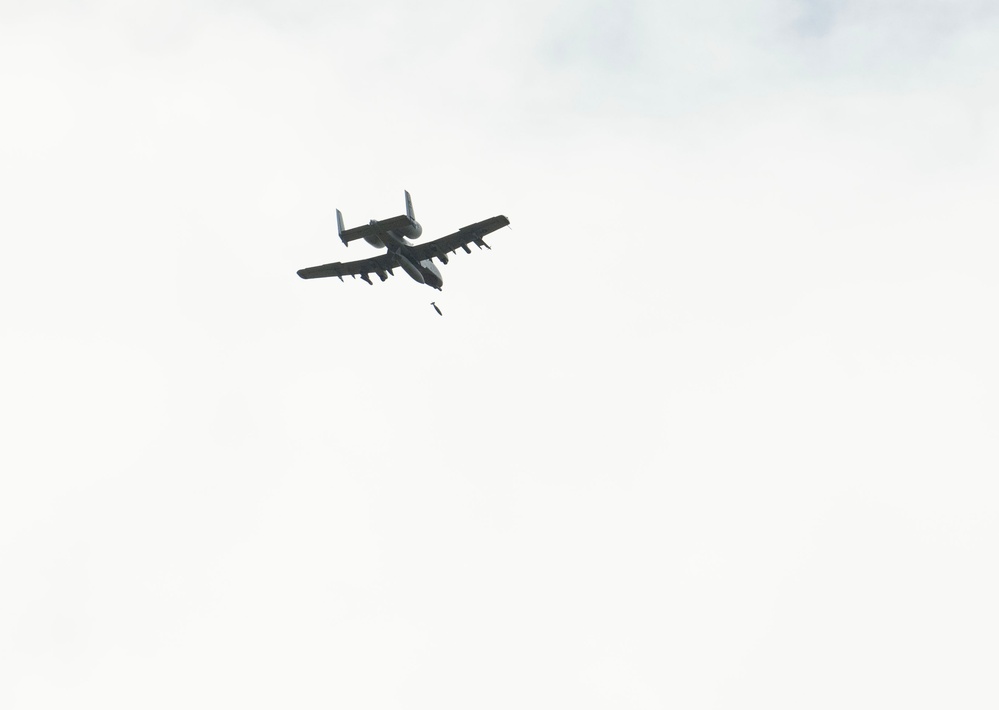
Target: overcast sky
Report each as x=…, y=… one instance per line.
x=714, y=425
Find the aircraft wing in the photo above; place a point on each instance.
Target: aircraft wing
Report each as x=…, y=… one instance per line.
x=472, y=234
x=381, y=265
x=376, y=229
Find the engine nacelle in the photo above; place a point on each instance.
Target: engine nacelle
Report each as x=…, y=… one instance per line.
x=415, y=232
x=374, y=240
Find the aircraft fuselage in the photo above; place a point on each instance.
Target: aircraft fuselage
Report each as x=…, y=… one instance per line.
x=424, y=272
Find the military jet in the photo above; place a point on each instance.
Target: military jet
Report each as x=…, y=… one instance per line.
x=394, y=235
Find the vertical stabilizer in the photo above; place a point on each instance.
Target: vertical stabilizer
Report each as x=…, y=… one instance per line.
x=339, y=226
x=409, y=206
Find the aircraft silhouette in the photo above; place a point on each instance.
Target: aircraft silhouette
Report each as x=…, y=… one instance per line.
x=394, y=236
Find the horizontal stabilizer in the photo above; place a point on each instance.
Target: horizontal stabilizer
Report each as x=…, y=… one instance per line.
x=376, y=229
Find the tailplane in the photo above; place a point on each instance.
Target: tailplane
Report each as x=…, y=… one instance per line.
x=404, y=225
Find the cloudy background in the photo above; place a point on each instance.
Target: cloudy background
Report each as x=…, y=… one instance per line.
x=713, y=425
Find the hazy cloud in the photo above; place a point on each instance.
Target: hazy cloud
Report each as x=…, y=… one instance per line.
x=712, y=424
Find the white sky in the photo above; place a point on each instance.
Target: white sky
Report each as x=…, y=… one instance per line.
x=713, y=426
